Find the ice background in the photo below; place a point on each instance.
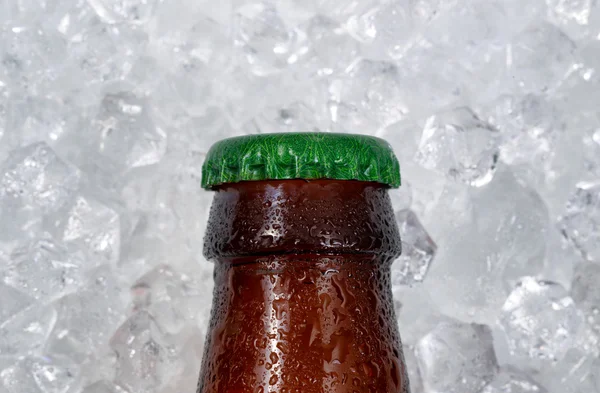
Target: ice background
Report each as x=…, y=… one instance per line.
x=107, y=109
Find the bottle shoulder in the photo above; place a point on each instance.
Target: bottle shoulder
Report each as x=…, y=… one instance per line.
x=298, y=216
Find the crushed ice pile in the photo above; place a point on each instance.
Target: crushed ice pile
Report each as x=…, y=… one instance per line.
x=107, y=108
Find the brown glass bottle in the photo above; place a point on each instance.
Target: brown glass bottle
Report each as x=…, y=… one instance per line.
x=302, y=300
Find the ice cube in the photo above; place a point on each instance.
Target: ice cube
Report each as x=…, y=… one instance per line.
x=263, y=37
x=457, y=357
x=387, y=27
x=191, y=51
x=37, y=119
x=12, y=301
x=513, y=221
x=41, y=375
x=418, y=250
x=530, y=127
x=235, y=86
x=87, y=318
x=460, y=145
x=17, y=379
x=573, y=16
x=89, y=226
x=100, y=54
x=54, y=374
x=483, y=29
x=540, y=57
x=416, y=312
x=196, y=35
x=125, y=135
x=144, y=362
x=576, y=373
x=44, y=269
x=510, y=380
x=369, y=96
x=169, y=296
x=31, y=56
x=586, y=292
x=132, y=11
x=536, y=144
x=28, y=330
x=436, y=84
x=540, y=321
x=327, y=48
x=462, y=281
x=70, y=19
x=581, y=221
x=35, y=176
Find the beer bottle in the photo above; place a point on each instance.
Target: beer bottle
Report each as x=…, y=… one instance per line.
x=302, y=234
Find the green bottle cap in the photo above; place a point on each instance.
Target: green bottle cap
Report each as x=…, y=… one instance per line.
x=301, y=155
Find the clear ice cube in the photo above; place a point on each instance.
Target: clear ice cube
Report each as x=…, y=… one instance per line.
x=54, y=374
x=418, y=250
x=100, y=54
x=457, y=357
x=576, y=18
x=12, y=301
x=514, y=227
x=28, y=330
x=32, y=56
x=460, y=145
x=86, y=319
x=483, y=29
x=327, y=48
x=538, y=142
x=540, y=57
x=37, y=119
x=124, y=134
x=89, y=226
x=169, y=296
x=131, y=11
x=530, y=127
x=416, y=312
x=462, y=281
x=581, y=220
x=510, y=380
x=388, y=27
x=44, y=269
x=576, y=373
x=369, y=96
x=540, y=321
x=17, y=379
x=263, y=37
x=36, y=177
x=144, y=360
x=586, y=292
x=41, y=374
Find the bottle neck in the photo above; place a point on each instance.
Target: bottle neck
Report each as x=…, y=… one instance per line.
x=312, y=323
x=325, y=217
